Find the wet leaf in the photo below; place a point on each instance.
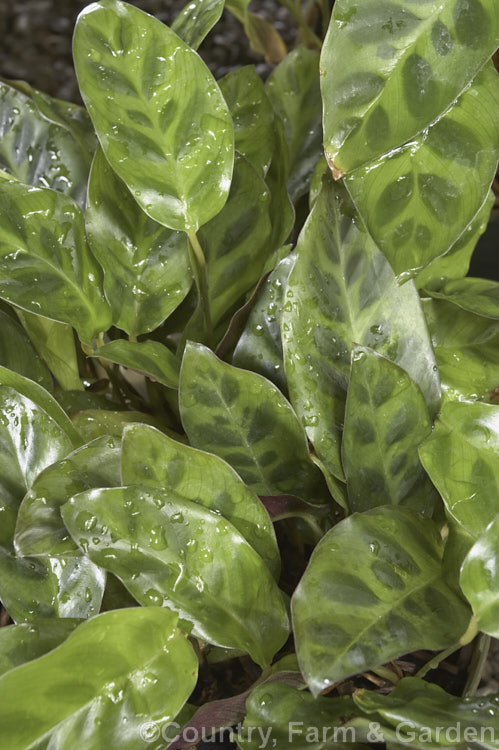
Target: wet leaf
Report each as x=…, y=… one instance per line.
x=25, y=642
x=196, y=19
x=174, y=152
x=480, y=581
x=243, y=418
x=478, y=296
x=149, y=357
x=373, y=590
x=94, y=423
x=172, y=552
x=461, y=457
x=146, y=266
x=386, y=419
x=152, y=459
x=40, y=529
x=128, y=667
x=342, y=292
x=42, y=243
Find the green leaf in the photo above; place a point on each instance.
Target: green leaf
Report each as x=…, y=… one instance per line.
x=196, y=20
x=149, y=357
x=174, y=152
x=478, y=296
x=171, y=552
x=391, y=69
x=31, y=390
x=25, y=642
x=455, y=263
x=39, y=152
x=373, y=590
x=467, y=350
x=480, y=579
x=55, y=344
x=237, y=242
x=94, y=423
x=252, y=114
x=132, y=664
x=30, y=441
x=386, y=419
x=282, y=212
x=40, y=529
x=425, y=716
x=243, y=418
x=418, y=200
x=289, y=717
x=146, y=266
x=71, y=117
x=461, y=457
x=263, y=37
x=342, y=292
x=152, y=459
x=17, y=352
x=42, y=242
x=32, y=587
x=294, y=91
x=260, y=347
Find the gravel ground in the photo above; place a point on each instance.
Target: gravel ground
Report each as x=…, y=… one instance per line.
x=36, y=40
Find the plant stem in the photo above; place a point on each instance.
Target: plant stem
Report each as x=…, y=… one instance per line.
x=478, y=659
x=198, y=263
x=433, y=663
x=387, y=674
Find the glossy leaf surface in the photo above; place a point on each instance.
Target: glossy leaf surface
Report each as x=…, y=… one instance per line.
x=55, y=344
x=146, y=266
x=152, y=459
x=126, y=667
x=407, y=63
x=426, y=713
x=419, y=199
x=293, y=88
x=17, y=352
x=467, y=350
x=196, y=20
x=38, y=152
x=171, y=552
x=386, y=419
x=236, y=243
x=40, y=529
x=342, y=292
x=174, y=152
x=25, y=642
x=252, y=114
x=29, y=442
x=260, y=346
x=373, y=590
x=478, y=296
x=461, y=457
x=480, y=579
x=42, y=243
x=32, y=587
x=150, y=357
x=94, y=423
x=244, y=419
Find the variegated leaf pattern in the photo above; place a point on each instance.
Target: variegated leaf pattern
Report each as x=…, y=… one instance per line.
x=39, y=152
x=243, y=418
x=342, y=292
x=374, y=590
x=419, y=199
x=461, y=457
x=152, y=459
x=149, y=357
x=389, y=70
x=467, y=350
x=293, y=88
x=252, y=115
x=174, y=152
x=386, y=419
x=181, y=556
x=40, y=529
x=260, y=347
x=42, y=243
x=146, y=266
x=477, y=296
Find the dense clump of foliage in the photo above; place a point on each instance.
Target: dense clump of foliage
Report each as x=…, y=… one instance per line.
x=249, y=432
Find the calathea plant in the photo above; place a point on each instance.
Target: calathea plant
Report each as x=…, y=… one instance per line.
x=249, y=432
